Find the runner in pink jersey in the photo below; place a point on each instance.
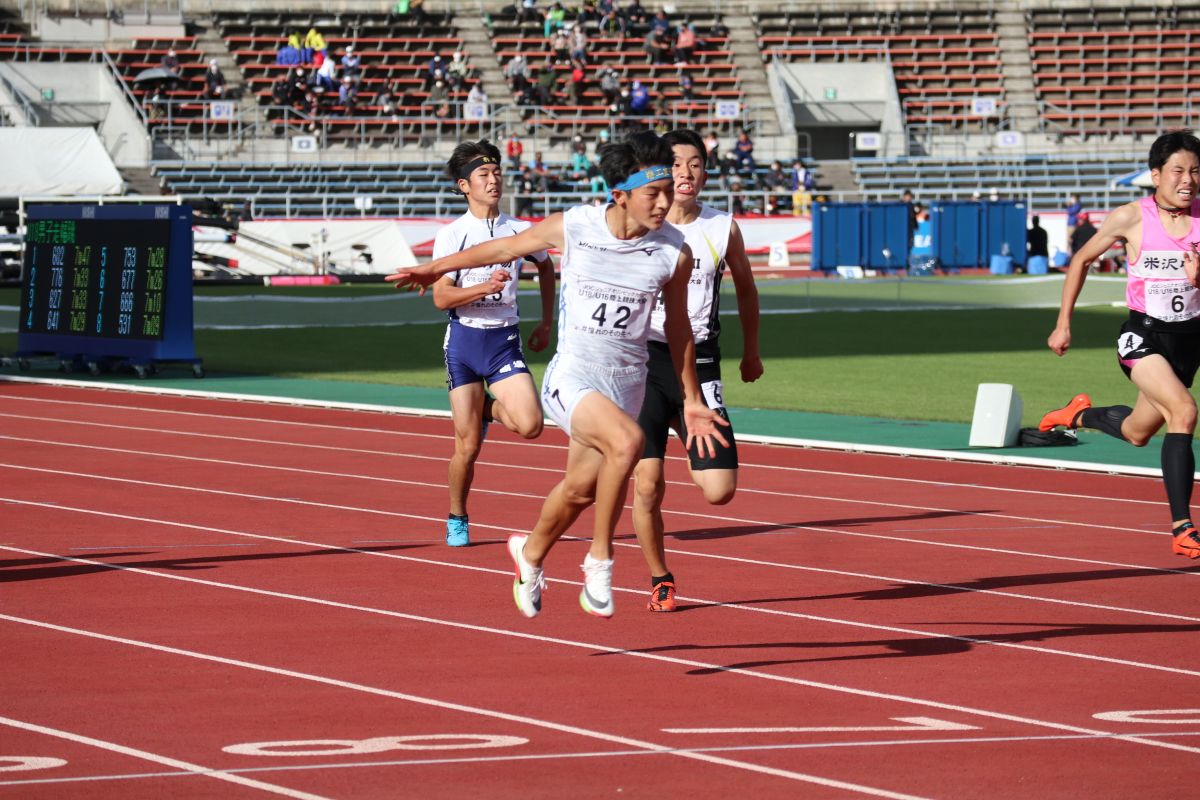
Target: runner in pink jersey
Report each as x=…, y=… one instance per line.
x=1159, y=345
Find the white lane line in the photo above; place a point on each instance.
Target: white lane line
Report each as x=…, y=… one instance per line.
x=815, y=618
x=592, y=648
x=166, y=761
x=745, y=465
x=463, y=708
x=749, y=748
x=1174, y=616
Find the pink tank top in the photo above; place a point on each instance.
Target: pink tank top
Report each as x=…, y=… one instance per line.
x=1158, y=285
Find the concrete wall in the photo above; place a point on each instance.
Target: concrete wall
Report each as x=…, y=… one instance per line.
x=86, y=94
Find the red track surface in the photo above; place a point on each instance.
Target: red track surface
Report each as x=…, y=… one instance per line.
x=214, y=599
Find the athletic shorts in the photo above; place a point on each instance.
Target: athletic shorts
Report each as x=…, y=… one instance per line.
x=474, y=355
x=568, y=380
x=662, y=409
x=1178, y=343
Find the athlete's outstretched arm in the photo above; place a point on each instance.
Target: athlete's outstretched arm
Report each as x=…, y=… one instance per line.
x=700, y=420
x=747, y=300
x=540, y=336
x=1116, y=226
x=544, y=235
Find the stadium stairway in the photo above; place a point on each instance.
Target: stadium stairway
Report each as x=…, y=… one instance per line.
x=747, y=59
x=1017, y=67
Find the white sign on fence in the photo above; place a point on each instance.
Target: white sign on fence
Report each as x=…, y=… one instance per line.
x=221, y=109
x=727, y=109
x=304, y=144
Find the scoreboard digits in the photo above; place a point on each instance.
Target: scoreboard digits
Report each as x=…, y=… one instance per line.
x=111, y=281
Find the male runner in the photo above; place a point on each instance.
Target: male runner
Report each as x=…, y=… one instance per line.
x=1159, y=346
x=716, y=242
x=616, y=259
x=483, y=339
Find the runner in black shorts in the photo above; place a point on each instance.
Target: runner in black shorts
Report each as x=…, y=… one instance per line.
x=716, y=244
x=1159, y=346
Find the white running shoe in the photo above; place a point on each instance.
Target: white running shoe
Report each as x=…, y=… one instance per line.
x=527, y=588
x=596, y=597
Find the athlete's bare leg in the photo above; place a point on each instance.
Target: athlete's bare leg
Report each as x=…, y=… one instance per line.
x=649, y=488
x=517, y=406
x=466, y=409
x=605, y=445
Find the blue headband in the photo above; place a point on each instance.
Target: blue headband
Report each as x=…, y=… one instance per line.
x=644, y=176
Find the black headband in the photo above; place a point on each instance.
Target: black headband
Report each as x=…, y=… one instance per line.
x=471, y=166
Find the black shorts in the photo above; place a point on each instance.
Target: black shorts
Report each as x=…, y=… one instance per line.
x=662, y=410
x=1177, y=342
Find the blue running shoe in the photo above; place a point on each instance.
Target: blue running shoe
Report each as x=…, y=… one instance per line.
x=458, y=532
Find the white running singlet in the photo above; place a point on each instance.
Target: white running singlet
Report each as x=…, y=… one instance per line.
x=495, y=310
x=708, y=237
x=609, y=286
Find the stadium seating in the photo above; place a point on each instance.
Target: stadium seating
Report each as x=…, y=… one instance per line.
x=1044, y=181
x=941, y=58
x=1117, y=71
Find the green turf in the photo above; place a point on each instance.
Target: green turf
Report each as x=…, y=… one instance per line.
x=921, y=359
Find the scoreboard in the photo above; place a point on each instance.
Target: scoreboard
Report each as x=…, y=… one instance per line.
x=110, y=282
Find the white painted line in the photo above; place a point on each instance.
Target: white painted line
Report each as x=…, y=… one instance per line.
x=945, y=455
x=460, y=707
x=653, y=656
x=911, y=724
x=157, y=759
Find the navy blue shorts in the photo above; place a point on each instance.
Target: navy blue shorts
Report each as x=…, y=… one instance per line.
x=474, y=355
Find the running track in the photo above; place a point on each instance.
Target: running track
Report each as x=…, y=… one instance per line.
x=205, y=598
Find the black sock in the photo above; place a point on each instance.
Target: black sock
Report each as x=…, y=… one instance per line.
x=656, y=580
x=463, y=517
x=1179, y=470
x=1106, y=418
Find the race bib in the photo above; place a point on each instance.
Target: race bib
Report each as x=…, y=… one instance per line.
x=713, y=394
x=608, y=311
x=1172, y=301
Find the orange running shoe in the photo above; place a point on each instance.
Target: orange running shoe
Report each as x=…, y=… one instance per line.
x=1066, y=415
x=662, y=597
x=1187, y=541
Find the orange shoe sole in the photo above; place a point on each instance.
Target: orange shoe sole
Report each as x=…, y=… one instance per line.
x=1066, y=415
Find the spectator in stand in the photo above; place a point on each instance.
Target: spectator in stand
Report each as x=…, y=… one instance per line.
x=610, y=85
x=685, y=44
x=714, y=146
x=477, y=95
x=776, y=180
x=578, y=83
x=288, y=54
x=170, y=62
x=587, y=13
x=516, y=71
x=555, y=18
x=156, y=103
x=528, y=12
x=458, y=72
x=686, y=88
x=560, y=46
x=579, y=43
x=514, y=149
x=612, y=19
x=801, y=186
x=529, y=185
x=281, y=91
x=657, y=47
x=300, y=89
x=386, y=100
x=435, y=71
x=743, y=149
x=543, y=172
x=351, y=65
x=326, y=77
x=348, y=95
x=659, y=22
x=547, y=86
x=314, y=43
x=1084, y=230
x=1074, y=209
x=214, y=81
x=635, y=13
x=639, y=100
x=409, y=9
x=439, y=99
x=311, y=107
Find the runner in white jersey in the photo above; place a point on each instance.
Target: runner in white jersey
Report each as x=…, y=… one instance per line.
x=483, y=338
x=1159, y=346
x=716, y=244
x=616, y=260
